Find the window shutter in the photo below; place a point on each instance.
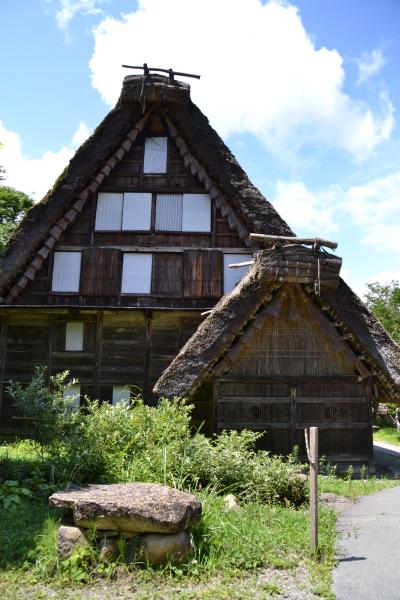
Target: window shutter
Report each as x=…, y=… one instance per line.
x=202, y=273
x=74, y=337
x=155, y=155
x=196, y=212
x=109, y=211
x=121, y=394
x=101, y=272
x=233, y=276
x=73, y=393
x=137, y=211
x=66, y=271
x=169, y=212
x=167, y=273
x=136, y=273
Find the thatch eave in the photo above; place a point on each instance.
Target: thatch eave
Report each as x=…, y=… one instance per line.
x=230, y=317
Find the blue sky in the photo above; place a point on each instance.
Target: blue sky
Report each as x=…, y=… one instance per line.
x=305, y=93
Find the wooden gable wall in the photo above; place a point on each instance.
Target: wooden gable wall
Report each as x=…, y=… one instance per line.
x=187, y=267
x=128, y=339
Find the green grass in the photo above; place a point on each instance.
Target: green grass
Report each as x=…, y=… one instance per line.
x=354, y=488
x=228, y=544
x=390, y=435
x=232, y=548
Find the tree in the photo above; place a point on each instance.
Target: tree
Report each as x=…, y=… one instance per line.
x=384, y=302
x=13, y=206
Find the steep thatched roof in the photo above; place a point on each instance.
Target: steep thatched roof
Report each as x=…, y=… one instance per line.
x=235, y=312
x=95, y=159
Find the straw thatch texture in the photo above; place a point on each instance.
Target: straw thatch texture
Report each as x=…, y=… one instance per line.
x=139, y=93
x=233, y=317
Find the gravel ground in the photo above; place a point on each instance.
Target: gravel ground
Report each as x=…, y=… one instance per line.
x=266, y=583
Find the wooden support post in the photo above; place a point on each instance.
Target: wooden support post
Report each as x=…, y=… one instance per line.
x=312, y=451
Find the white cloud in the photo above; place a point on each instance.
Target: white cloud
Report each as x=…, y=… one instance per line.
x=80, y=135
x=261, y=72
x=370, y=64
x=70, y=8
x=35, y=176
x=304, y=210
x=371, y=210
x=375, y=208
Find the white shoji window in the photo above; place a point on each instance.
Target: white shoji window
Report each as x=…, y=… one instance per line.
x=183, y=212
x=109, y=211
x=136, y=273
x=121, y=394
x=155, y=155
x=66, y=272
x=74, y=337
x=128, y=211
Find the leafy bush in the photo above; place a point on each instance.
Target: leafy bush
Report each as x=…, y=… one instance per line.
x=12, y=493
x=48, y=414
x=104, y=443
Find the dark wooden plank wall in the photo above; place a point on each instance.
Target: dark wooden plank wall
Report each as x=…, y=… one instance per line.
x=340, y=407
x=100, y=272
x=203, y=274
x=194, y=280
x=187, y=279
x=119, y=348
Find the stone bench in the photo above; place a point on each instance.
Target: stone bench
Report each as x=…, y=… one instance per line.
x=152, y=517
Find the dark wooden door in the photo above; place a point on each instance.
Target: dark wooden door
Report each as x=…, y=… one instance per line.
x=283, y=409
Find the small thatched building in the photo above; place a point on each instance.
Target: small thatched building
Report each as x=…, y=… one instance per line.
x=278, y=355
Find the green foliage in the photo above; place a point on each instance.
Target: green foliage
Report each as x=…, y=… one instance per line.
x=105, y=443
x=390, y=435
x=48, y=414
x=13, y=205
x=144, y=443
x=354, y=488
x=12, y=494
x=21, y=524
x=384, y=302
x=6, y=230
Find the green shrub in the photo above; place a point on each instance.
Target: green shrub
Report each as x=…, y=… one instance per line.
x=48, y=415
x=105, y=444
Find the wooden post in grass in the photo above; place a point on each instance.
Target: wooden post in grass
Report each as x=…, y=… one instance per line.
x=312, y=452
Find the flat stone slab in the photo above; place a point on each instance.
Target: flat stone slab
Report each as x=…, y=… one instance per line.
x=130, y=507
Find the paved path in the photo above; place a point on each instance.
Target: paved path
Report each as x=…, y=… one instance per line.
x=387, y=457
x=369, y=556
